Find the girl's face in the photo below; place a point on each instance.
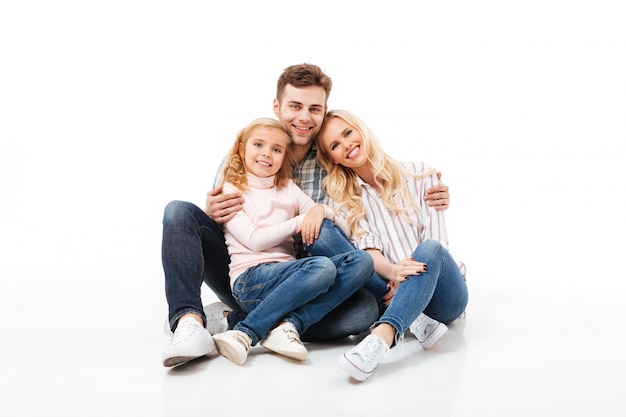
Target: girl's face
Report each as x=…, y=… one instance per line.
x=343, y=143
x=264, y=151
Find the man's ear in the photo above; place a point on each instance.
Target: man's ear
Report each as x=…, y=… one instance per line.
x=276, y=107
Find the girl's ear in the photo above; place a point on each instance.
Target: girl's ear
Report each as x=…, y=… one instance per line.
x=242, y=149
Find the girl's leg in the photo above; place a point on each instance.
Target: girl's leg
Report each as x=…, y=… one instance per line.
x=268, y=292
x=353, y=270
x=356, y=314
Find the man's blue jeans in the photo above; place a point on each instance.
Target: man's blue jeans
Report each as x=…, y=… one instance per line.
x=441, y=293
x=193, y=251
x=300, y=291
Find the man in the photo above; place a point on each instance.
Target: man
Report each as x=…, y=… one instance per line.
x=194, y=251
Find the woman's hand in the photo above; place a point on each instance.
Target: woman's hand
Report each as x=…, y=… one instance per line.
x=405, y=268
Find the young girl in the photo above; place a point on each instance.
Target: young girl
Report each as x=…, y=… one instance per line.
x=268, y=282
x=383, y=202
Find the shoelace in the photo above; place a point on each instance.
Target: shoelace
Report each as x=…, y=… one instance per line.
x=214, y=324
x=184, y=331
x=421, y=325
x=292, y=335
x=370, y=349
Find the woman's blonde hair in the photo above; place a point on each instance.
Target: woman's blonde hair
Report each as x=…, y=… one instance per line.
x=341, y=185
x=234, y=168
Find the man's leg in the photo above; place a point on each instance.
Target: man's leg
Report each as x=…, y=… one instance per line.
x=193, y=251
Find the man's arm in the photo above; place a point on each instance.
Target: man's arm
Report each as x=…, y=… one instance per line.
x=222, y=207
x=437, y=196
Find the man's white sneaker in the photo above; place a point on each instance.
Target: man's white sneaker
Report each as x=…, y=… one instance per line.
x=190, y=341
x=215, y=320
x=285, y=340
x=427, y=330
x=361, y=361
x=233, y=345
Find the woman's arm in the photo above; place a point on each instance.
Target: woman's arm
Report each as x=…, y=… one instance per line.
x=395, y=272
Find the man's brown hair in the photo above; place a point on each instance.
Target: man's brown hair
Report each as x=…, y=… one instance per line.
x=303, y=75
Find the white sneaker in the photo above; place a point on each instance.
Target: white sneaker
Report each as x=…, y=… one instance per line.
x=215, y=320
x=285, y=340
x=233, y=345
x=427, y=330
x=361, y=361
x=190, y=341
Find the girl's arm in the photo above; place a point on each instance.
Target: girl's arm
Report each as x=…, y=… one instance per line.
x=315, y=215
x=259, y=238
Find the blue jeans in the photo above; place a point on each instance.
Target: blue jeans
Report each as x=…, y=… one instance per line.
x=441, y=293
x=193, y=251
x=333, y=240
x=300, y=291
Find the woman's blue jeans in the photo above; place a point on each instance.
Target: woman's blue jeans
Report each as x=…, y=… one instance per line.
x=193, y=251
x=441, y=293
x=300, y=291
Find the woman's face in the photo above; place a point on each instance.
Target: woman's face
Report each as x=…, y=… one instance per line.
x=343, y=143
x=264, y=151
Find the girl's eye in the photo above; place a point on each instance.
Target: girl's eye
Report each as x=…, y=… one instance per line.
x=333, y=146
x=348, y=132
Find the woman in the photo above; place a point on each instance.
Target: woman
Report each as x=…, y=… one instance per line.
x=382, y=201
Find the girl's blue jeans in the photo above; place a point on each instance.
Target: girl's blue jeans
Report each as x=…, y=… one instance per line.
x=300, y=291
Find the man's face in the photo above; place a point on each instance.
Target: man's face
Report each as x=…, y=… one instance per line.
x=302, y=110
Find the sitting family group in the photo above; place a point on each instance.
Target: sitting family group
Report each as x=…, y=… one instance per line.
x=313, y=233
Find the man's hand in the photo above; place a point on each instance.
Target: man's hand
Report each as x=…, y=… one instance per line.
x=222, y=207
x=438, y=197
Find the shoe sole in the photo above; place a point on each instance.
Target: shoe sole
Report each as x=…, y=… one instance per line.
x=298, y=355
x=178, y=360
x=229, y=352
x=430, y=341
x=352, y=370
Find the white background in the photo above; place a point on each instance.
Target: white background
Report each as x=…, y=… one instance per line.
x=110, y=109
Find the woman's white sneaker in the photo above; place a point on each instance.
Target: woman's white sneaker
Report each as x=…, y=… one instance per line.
x=361, y=361
x=427, y=330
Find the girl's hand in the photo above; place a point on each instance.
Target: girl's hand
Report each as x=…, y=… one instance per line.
x=407, y=267
x=310, y=228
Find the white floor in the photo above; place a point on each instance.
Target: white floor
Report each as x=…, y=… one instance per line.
x=75, y=346
x=108, y=110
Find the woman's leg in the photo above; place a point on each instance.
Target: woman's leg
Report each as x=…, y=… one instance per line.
x=441, y=292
